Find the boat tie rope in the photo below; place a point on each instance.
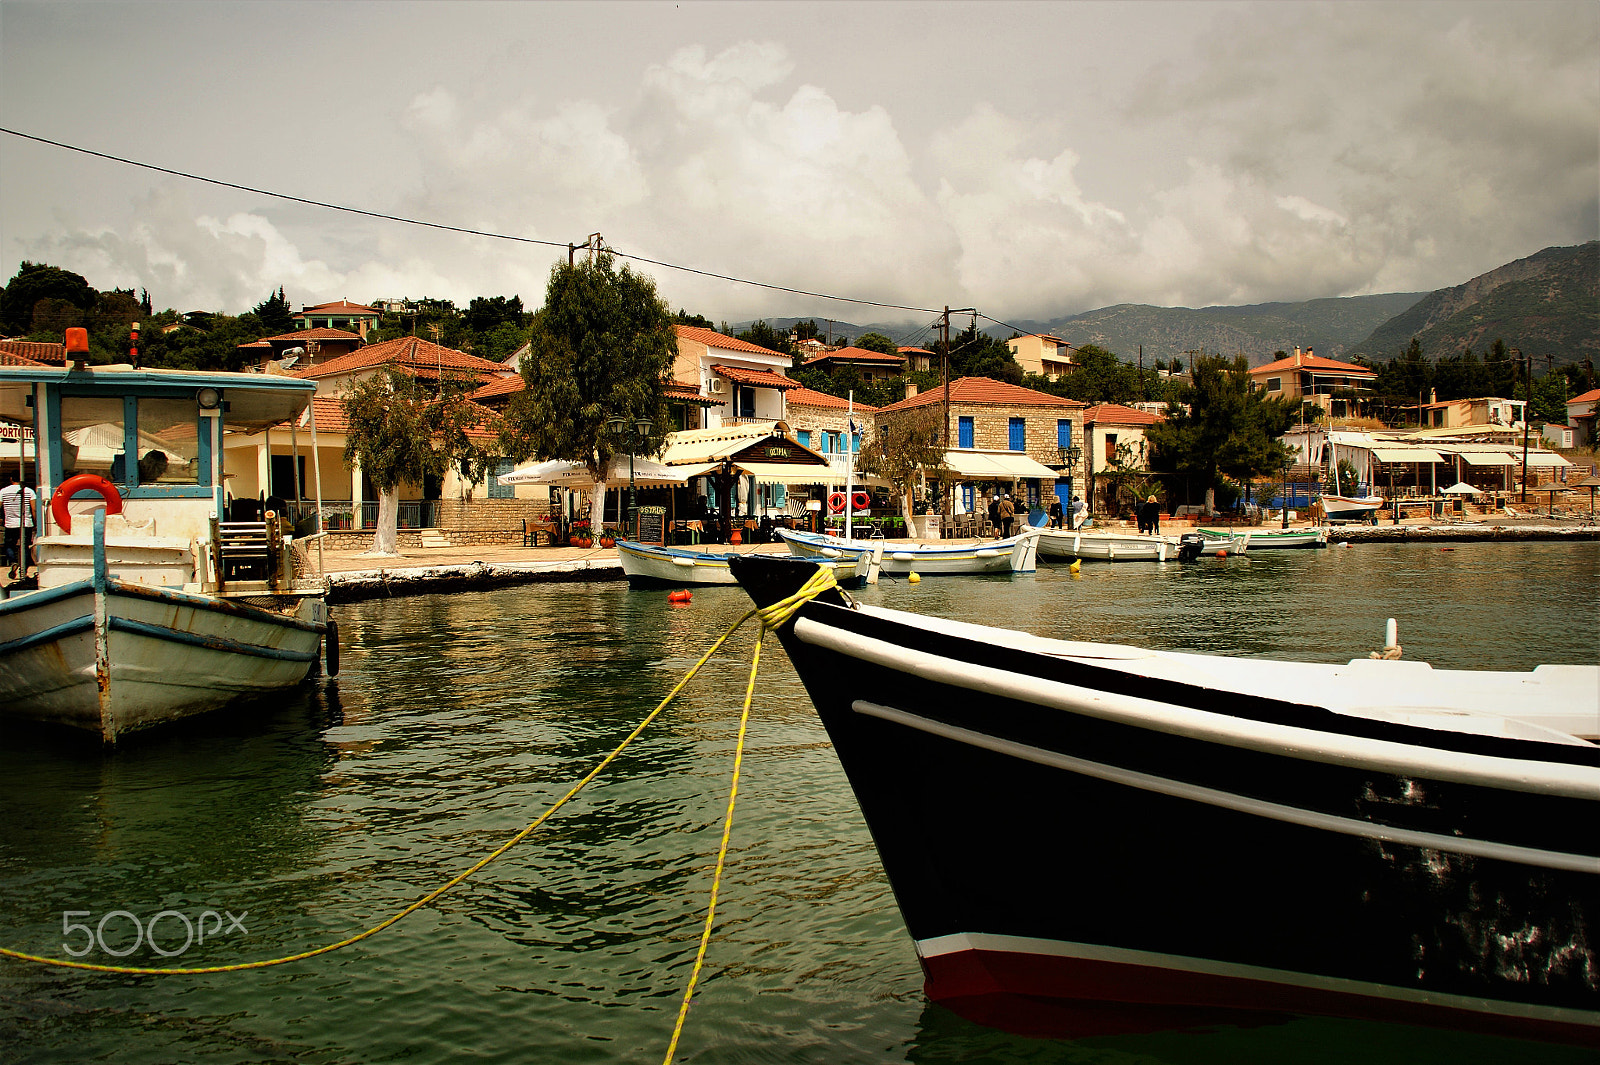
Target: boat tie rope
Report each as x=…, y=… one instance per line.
x=772, y=617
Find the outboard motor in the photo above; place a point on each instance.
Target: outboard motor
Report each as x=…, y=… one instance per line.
x=1190, y=545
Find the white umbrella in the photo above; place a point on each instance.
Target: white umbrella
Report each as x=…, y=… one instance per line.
x=1461, y=488
x=646, y=474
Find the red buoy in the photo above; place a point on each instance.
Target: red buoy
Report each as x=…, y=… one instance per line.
x=680, y=596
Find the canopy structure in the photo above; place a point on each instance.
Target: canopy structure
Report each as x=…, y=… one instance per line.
x=647, y=473
x=799, y=473
x=995, y=466
x=1488, y=458
x=1406, y=454
x=1546, y=460
x=1461, y=488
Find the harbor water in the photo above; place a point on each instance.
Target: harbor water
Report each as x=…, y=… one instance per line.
x=458, y=719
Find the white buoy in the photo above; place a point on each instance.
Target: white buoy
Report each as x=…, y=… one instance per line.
x=1391, y=633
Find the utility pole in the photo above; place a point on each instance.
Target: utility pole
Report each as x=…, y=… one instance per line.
x=1527, y=401
x=946, y=508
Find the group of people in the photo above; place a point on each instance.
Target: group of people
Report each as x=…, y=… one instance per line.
x=1003, y=513
x=1149, y=517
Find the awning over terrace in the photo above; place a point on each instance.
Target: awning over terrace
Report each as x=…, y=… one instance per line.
x=1488, y=458
x=995, y=466
x=1406, y=454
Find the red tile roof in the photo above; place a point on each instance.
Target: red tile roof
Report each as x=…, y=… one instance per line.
x=319, y=333
x=756, y=378
x=1315, y=362
x=504, y=387
x=9, y=359
x=1117, y=414
x=678, y=392
x=717, y=340
x=984, y=390
x=857, y=355
x=1589, y=396
x=340, y=307
x=35, y=351
x=914, y=351
x=413, y=354
x=805, y=397
x=329, y=413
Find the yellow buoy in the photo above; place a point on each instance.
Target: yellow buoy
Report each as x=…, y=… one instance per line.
x=914, y=577
x=1077, y=564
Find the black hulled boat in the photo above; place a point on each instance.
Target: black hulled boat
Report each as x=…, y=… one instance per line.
x=1094, y=839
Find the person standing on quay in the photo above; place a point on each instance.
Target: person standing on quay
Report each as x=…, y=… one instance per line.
x=1008, y=513
x=1150, y=516
x=1077, y=511
x=1055, y=512
x=994, y=512
x=18, y=506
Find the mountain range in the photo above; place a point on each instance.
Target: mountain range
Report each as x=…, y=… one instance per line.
x=1545, y=304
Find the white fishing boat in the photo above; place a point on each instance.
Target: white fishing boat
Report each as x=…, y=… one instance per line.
x=151, y=606
x=654, y=566
x=1016, y=554
x=1104, y=545
x=1274, y=539
x=1338, y=507
x=1092, y=839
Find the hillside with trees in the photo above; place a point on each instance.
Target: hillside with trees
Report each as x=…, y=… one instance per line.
x=1546, y=304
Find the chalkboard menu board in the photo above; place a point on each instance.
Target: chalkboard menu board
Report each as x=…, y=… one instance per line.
x=650, y=525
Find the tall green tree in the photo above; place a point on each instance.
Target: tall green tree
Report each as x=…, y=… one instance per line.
x=904, y=447
x=402, y=432
x=40, y=281
x=877, y=342
x=764, y=335
x=600, y=347
x=1219, y=426
x=277, y=317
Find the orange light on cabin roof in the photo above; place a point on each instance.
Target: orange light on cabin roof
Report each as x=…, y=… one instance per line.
x=77, y=339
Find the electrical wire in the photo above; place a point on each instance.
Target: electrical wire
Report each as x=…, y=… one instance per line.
x=453, y=229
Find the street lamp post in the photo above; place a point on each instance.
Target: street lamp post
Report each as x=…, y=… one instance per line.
x=642, y=427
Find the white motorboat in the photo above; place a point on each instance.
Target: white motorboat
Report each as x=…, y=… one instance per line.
x=1274, y=539
x=154, y=606
x=654, y=566
x=1016, y=554
x=1106, y=546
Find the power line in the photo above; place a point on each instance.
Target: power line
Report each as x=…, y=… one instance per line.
x=449, y=228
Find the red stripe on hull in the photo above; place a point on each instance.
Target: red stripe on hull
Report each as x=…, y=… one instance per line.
x=1074, y=998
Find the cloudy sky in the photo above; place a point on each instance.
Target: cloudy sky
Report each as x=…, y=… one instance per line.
x=1031, y=159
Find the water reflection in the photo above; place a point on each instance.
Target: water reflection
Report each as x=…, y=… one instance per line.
x=458, y=718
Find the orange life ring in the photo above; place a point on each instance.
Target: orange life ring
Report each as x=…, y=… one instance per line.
x=836, y=503
x=82, y=482
x=861, y=501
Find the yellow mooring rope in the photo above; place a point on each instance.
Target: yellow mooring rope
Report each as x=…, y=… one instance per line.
x=771, y=618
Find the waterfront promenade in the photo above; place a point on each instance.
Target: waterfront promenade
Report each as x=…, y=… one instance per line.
x=356, y=576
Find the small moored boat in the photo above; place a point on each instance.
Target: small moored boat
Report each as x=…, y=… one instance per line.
x=1275, y=540
x=653, y=566
x=1016, y=554
x=1098, y=839
x=1106, y=546
x=154, y=606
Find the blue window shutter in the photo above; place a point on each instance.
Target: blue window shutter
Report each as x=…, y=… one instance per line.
x=804, y=436
x=1063, y=432
x=964, y=432
x=855, y=443
x=1018, y=436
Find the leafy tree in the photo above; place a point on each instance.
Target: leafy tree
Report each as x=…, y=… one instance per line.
x=699, y=321
x=1220, y=426
x=485, y=313
x=762, y=334
x=975, y=354
x=277, y=317
x=877, y=342
x=402, y=433
x=904, y=446
x=39, y=281
x=600, y=347
x=807, y=330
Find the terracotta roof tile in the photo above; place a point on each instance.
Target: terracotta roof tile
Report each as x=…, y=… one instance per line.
x=914, y=351
x=319, y=333
x=36, y=351
x=329, y=413
x=1588, y=397
x=1117, y=414
x=504, y=387
x=413, y=354
x=338, y=307
x=756, y=378
x=805, y=397
x=677, y=391
x=984, y=390
x=718, y=340
x=1314, y=362
x=857, y=355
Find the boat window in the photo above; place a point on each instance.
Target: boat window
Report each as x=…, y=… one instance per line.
x=92, y=440
x=169, y=442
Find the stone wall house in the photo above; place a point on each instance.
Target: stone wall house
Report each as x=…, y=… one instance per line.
x=1005, y=438
x=1109, y=427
